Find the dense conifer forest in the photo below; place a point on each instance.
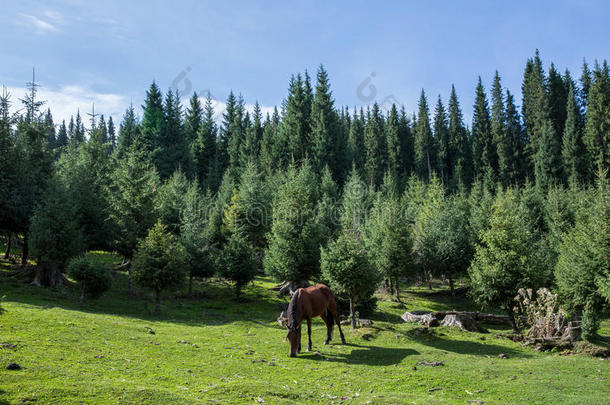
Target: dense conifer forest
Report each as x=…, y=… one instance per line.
x=355, y=197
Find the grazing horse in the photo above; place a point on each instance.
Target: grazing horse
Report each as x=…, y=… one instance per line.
x=307, y=303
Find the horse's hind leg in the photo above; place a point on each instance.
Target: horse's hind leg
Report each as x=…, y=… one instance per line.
x=328, y=321
x=333, y=310
x=309, y=334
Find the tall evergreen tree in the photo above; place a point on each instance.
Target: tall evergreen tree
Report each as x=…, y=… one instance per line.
x=128, y=131
x=172, y=150
x=375, y=146
x=62, y=136
x=424, y=142
x=460, y=150
x=597, y=129
x=511, y=150
x=204, y=146
x=441, y=137
x=49, y=128
x=573, y=150
x=392, y=139
x=482, y=141
x=193, y=118
x=153, y=121
x=254, y=134
x=406, y=145
x=534, y=107
x=357, y=148
x=558, y=97
x=111, y=133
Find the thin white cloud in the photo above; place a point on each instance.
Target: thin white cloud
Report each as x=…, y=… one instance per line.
x=67, y=100
x=40, y=26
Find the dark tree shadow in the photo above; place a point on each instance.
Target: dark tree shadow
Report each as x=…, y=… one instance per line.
x=481, y=348
x=369, y=355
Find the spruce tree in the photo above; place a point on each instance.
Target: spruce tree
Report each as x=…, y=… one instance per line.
x=204, y=146
x=511, y=152
x=356, y=144
x=424, y=142
x=62, y=136
x=128, y=131
x=573, y=150
x=498, y=130
x=172, y=151
x=111, y=134
x=597, y=129
x=482, y=141
x=375, y=147
x=441, y=137
x=153, y=120
x=534, y=107
x=558, y=97
x=325, y=148
x=460, y=150
x=392, y=139
x=547, y=161
x=405, y=135
x=193, y=118
x=254, y=134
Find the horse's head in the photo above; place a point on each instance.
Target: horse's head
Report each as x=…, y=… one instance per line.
x=294, y=338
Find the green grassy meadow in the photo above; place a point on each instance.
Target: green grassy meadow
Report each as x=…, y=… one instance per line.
x=212, y=349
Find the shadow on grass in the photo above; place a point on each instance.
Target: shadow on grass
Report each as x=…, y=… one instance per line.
x=471, y=347
x=217, y=307
x=368, y=355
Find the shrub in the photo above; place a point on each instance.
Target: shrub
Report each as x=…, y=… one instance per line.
x=92, y=276
x=237, y=262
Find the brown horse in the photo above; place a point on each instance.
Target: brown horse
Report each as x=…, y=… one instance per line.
x=307, y=303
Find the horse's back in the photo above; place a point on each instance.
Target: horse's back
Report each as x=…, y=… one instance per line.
x=319, y=296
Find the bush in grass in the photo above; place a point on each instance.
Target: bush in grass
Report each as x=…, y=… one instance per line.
x=159, y=262
x=92, y=276
x=237, y=262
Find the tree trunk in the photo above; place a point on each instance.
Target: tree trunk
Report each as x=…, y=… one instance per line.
x=82, y=294
x=24, y=251
x=190, y=286
x=391, y=286
x=397, y=288
x=429, y=279
x=130, y=280
x=157, y=301
x=9, y=244
x=452, y=287
x=48, y=275
x=352, y=312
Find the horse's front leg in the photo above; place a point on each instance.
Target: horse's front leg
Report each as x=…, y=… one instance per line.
x=309, y=334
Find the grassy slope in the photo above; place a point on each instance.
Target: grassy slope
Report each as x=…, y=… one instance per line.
x=234, y=353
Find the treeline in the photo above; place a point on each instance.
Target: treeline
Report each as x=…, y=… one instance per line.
x=312, y=191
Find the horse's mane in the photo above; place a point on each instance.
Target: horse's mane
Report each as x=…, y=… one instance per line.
x=292, y=312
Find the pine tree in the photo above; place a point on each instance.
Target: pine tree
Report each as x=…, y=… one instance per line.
x=111, y=134
x=460, y=150
x=441, y=137
x=237, y=135
x=424, y=142
x=573, y=150
x=62, y=136
x=375, y=147
x=499, y=133
x=357, y=148
x=511, y=151
x=392, y=140
x=254, y=134
x=204, y=147
x=293, y=141
x=585, y=85
x=482, y=141
x=158, y=263
x=406, y=145
x=557, y=96
x=597, y=129
x=153, y=121
x=172, y=151
x=50, y=130
x=534, y=107
x=547, y=162
x=193, y=118
x=293, y=251
x=128, y=131
x=325, y=128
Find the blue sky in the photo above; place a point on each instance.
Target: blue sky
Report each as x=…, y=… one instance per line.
x=108, y=52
